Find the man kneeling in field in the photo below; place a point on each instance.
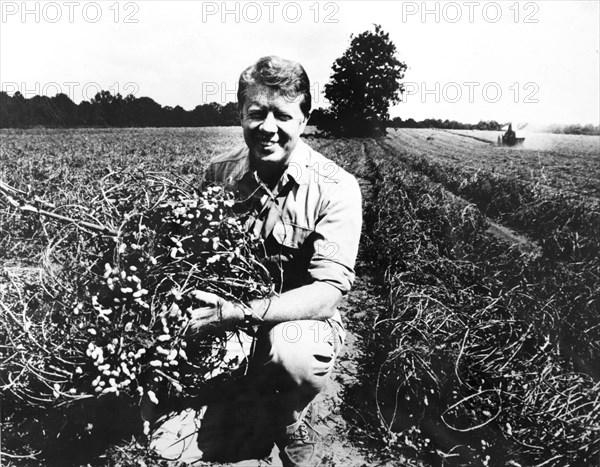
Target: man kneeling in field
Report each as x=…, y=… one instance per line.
x=308, y=211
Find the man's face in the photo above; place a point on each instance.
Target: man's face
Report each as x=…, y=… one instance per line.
x=272, y=124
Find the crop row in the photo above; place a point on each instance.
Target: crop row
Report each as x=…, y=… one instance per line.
x=564, y=225
x=567, y=265
x=486, y=353
x=560, y=162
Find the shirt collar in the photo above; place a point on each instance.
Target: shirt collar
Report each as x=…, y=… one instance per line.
x=298, y=165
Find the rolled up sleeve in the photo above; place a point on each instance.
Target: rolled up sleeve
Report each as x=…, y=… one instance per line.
x=337, y=234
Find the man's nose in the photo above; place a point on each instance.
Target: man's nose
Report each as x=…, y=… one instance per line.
x=269, y=124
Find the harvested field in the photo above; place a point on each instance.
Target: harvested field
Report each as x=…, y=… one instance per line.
x=560, y=162
x=474, y=324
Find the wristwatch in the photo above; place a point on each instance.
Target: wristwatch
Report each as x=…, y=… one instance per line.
x=248, y=317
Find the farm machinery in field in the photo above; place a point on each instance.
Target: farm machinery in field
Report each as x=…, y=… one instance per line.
x=510, y=138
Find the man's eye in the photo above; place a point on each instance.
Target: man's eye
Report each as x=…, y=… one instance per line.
x=284, y=117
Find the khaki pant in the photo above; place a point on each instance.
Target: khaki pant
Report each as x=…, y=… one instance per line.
x=287, y=366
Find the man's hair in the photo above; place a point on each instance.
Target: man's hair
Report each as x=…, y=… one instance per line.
x=284, y=76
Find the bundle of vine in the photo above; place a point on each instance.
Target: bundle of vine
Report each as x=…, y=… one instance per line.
x=110, y=314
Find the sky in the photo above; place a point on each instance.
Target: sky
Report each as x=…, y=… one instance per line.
x=520, y=61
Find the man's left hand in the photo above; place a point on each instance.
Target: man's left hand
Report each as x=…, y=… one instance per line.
x=215, y=313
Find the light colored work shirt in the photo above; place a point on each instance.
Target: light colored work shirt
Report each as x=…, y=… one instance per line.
x=310, y=222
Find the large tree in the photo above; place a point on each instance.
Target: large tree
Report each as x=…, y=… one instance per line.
x=364, y=83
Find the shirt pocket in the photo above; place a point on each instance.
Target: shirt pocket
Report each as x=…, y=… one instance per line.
x=290, y=235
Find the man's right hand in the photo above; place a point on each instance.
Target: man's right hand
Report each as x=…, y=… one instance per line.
x=214, y=313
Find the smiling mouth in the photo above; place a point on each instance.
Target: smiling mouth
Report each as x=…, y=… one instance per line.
x=267, y=143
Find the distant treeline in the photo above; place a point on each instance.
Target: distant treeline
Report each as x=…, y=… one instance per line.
x=106, y=110
x=322, y=118
x=574, y=129
x=492, y=125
